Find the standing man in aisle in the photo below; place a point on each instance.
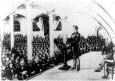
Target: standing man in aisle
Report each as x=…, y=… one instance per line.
x=75, y=37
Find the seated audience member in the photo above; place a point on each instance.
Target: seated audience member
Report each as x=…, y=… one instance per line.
x=23, y=69
x=107, y=53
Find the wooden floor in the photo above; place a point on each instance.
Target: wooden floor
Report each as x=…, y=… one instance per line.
x=89, y=62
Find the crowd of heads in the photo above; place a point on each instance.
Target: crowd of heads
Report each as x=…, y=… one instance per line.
x=91, y=43
x=14, y=58
x=15, y=62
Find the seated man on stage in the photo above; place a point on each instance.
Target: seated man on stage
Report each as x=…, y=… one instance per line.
x=107, y=53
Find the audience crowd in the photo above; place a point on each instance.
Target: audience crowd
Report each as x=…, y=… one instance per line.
x=16, y=65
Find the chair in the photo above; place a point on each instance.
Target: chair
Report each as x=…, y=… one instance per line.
x=111, y=65
x=112, y=69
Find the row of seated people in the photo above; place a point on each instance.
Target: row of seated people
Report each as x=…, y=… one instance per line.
x=19, y=38
x=41, y=49
x=6, y=41
x=91, y=43
x=59, y=42
x=95, y=43
x=83, y=45
x=12, y=58
x=6, y=46
x=17, y=64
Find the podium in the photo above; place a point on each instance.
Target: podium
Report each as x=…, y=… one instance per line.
x=64, y=51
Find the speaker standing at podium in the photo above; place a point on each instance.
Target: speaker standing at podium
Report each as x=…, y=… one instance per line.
x=75, y=48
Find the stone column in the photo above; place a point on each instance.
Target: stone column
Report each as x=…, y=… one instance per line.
x=51, y=32
x=29, y=33
x=12, y=28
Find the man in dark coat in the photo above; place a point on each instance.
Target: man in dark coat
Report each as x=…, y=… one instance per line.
x=75, y=48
